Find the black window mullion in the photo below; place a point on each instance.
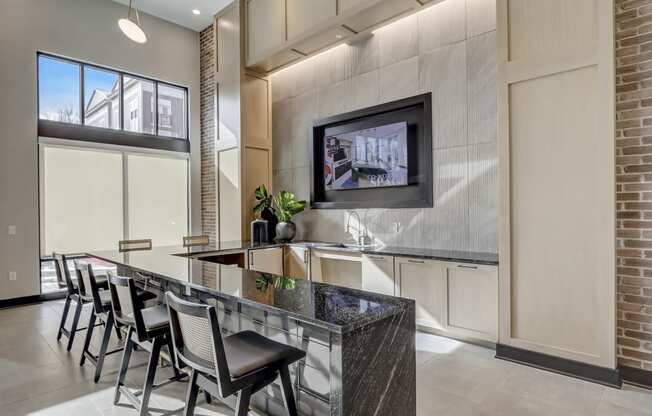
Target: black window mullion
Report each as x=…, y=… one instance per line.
x=121, y=113
x=156, y=108
x=82, y=109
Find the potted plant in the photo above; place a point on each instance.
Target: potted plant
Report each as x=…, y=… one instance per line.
x=264, y=209
x=287, y=206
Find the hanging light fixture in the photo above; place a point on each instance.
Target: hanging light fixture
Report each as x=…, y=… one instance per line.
x=132, y=28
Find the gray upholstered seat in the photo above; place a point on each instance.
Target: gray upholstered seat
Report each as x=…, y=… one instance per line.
x=155, y=317
x=248, y=351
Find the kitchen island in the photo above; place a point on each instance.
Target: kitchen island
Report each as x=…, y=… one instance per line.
x=360, y=346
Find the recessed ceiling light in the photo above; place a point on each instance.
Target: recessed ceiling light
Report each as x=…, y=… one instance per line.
x=196, y=12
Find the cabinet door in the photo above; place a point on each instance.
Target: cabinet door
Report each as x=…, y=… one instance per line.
x=265, y=27
x=473, y=300
x=268, y=260
x=423, y=281
x=378, y=274
x=296, y=261
x=303, y=15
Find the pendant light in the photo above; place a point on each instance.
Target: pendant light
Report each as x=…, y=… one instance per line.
x=132, y=28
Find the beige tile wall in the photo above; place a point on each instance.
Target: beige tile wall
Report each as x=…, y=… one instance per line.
x=448, y=49
x=634, y=187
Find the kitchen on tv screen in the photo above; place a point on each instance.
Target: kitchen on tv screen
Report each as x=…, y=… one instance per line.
x=370, y=158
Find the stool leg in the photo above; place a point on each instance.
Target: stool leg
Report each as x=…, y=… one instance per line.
x=191, y=395
x=89, y=336
x=75, y=322
x=288, y=393
x=157, y=343
x=177, y=374
x=108, y=327
x=242, y=405
x=124, y=365
x=64, y=317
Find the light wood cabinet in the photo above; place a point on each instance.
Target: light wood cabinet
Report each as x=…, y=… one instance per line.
x=378, y=274
x=454, y=299
x=267, y=260
x=297, y=262
x=472, y=300
x=265, y=27
x=425, y=282
x=336, y=268
x=303, y=15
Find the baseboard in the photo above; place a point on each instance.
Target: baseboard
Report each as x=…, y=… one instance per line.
x=636, y=376
x=28, y=300
x=601, y=375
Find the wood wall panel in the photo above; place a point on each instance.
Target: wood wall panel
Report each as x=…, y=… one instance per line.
x=557, y=177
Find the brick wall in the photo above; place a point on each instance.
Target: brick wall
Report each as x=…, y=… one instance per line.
x=207, y=108
x=634, y=181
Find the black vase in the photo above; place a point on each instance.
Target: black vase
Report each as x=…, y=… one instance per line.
x=271, y=219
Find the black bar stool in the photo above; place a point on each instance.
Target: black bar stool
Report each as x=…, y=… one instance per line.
x=90, y=292
x=72, y=294
x=242, y=363
x=149, y=328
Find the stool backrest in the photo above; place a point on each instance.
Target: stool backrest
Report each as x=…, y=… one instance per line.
x=63, y=273
x=127, y=308
x=87, y=283
x=197, y=338
x=196, y=240
x=134, y=245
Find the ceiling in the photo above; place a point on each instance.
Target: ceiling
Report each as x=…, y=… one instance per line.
x=180, y=11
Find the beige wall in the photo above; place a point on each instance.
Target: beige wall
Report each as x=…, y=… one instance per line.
x=85, y=30
x=448, y=49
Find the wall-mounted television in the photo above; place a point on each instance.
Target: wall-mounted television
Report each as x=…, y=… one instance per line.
x=378, y=157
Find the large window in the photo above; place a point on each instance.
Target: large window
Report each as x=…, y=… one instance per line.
x=91, y=198
x=80, y=94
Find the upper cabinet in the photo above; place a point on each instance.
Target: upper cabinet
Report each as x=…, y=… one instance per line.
x=265, y=28
x=303, y=15
x=280, y=32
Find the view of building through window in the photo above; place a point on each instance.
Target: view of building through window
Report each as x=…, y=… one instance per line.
x=105, y=99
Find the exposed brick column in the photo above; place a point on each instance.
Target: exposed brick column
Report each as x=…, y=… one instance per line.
x=207, y=120
x=634, y=181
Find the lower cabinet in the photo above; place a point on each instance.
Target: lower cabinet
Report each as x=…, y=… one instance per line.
x=425, y=282
x=378, y=274
x=472, y=308
x=267, y=260
x=296, y=261
x=456, y=299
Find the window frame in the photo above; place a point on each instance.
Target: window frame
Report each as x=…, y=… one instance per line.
x=109, y=136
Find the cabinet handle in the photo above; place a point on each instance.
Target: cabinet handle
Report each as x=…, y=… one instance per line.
x=463, y=266
x=381, y=258
x=305, y=256
x=416, y=261
x=251, y=259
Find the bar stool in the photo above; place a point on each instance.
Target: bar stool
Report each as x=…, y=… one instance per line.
x=149, y=328
x=72, y=294
x=90, y=292
x=242, y=363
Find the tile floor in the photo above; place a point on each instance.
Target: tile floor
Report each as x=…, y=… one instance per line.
x=38, y=377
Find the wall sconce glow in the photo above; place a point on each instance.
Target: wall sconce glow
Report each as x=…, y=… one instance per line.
x=132, y=29
x=196, y=12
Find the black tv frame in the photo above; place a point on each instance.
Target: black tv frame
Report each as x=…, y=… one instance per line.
x=417, y=111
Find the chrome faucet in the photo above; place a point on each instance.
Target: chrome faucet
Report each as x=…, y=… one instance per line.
x=362, y=237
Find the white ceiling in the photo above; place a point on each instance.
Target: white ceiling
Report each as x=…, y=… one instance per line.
x=180, y=11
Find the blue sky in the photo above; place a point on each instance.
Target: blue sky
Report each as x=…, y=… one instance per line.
x=59, y=84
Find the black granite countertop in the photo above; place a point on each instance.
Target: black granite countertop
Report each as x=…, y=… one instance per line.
x=486, y=258
x=336, y=308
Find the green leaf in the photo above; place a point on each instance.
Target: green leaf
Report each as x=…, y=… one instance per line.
x=287, y=206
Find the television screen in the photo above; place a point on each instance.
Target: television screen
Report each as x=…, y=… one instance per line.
x=370, y=158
